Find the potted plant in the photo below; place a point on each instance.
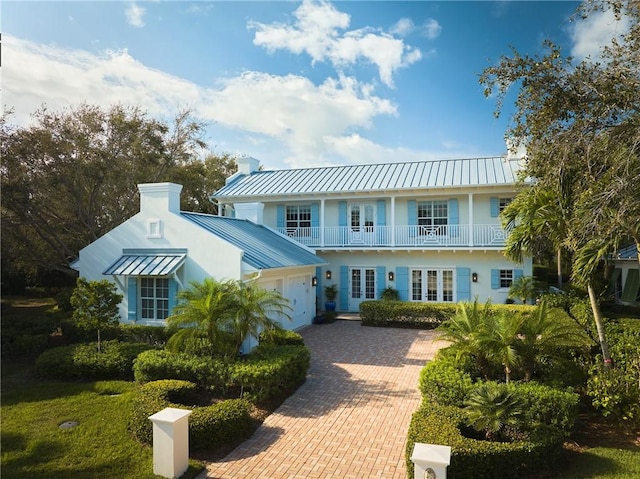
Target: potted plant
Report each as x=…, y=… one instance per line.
x=330, y=292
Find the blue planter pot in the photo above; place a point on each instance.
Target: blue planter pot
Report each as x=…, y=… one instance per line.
x=330, y=306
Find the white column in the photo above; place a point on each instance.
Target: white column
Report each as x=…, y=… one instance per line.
x=393, y=221
x=322, y=222
x=430, y=461
x=170, y=442
x=470, y=219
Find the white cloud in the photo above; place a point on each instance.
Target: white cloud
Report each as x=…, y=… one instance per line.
x=591, y=35
x=288, y=113
x=134, y=14
x=316, y=31
x=431, y=29
x=403, y=27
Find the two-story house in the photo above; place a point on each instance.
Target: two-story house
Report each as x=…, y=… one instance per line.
x=429, y=229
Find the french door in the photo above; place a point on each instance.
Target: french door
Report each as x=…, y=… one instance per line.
x=432, y=285
x=362, y=219
x=362, y=286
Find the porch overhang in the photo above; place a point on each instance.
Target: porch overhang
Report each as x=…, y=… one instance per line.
x=147, y=262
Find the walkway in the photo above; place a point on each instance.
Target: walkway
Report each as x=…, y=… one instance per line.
x=350, y=418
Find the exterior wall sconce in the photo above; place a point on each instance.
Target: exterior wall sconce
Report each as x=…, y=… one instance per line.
x=314, y=281
x=328, y=274
x=474, y=277
x=391, y=276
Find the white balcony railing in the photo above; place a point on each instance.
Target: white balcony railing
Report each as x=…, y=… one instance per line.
x=399, y=236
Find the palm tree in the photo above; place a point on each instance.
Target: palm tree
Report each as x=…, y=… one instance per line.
x=201, y=314
x=254, y=309
x=500, y=338
x=523, y=288
x=490, y=407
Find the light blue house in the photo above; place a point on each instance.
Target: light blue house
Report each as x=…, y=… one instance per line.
x=429, y=229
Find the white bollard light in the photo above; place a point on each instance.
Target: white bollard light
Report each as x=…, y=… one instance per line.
x=170, y=442
x=430, y=461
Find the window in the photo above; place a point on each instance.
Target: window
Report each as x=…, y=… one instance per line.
x=433, y=217
x=503, y=203
x=298, y=219
x=506, y=278
x=154, y=298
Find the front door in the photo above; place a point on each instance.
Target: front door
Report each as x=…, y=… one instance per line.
x=362, y=286
x=362, y=219
x=432, y=285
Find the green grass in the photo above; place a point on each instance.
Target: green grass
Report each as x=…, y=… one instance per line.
x=603, y=463
x=33, y=445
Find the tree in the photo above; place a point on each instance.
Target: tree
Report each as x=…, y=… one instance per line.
x=499, y=338
x=490, y=408
x=523, y=288
x=95, y=305
x=72, y=175
x=581, y=122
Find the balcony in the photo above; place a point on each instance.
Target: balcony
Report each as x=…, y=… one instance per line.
x=419, y=237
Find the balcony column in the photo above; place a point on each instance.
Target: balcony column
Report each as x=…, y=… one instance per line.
x=393, y=221
x=322, y=222
x=470, y=219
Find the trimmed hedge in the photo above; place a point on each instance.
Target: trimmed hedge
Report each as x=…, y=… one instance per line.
x=281, y=337
x=24, y=335
x=443, y=383
x=471, y=458
x=223, y=424
x=269, y=371
x=83, y=361
x=156, y=336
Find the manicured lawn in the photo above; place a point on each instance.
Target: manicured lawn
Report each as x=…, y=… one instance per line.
x=34, y=446
x=604, y=463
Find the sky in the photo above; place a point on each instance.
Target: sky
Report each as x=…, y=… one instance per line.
x=293, y=84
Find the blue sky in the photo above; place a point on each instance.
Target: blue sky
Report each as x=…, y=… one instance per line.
x=294, y=84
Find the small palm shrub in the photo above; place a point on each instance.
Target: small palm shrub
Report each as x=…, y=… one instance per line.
x=492, y=408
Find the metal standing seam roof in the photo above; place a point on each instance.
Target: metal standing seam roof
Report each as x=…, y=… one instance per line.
x=146, y=264
x=629, y=253
x=375, y=177
x=263, y=248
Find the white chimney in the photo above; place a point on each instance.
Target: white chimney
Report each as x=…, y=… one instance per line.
x=247, y=165
x=250, y=211
x=516, y=148
x=158, y=198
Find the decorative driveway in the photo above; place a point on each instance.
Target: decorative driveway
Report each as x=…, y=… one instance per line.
x=350, y=418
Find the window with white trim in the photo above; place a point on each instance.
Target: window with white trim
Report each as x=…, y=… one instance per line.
x=433, y=217
x=503, y=203
x=506, y=278
x=298, y=220
x=154, y=298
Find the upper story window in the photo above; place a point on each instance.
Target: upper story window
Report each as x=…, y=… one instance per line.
x=506, y=278
x=503, y=203
x=154, y=298
x=298, y=219
x=433, y=216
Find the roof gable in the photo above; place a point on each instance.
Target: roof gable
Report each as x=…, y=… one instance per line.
x=376, y=177
x=263, y=248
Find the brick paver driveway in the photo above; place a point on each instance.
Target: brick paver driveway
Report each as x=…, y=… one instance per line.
x=350, y=418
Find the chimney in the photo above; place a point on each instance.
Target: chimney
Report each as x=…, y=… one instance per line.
x=247, y=165
x=516, y=148
x=159, y=198
x=249, y=211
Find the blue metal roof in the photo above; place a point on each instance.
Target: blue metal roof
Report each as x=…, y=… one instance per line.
x=147, y=263
x=630, y=252
x=263, y=248
x=376, y=177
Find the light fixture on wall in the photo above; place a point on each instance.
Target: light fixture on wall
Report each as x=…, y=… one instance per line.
x=474, y=277
x=328, y=274
x=314, y=281
x=391, y=276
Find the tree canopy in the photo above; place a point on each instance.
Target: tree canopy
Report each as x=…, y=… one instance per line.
x=580, y=121
x=72, y=175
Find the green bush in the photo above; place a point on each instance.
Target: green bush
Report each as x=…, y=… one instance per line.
x=405, y=314
x=443, y=383
x=270, y=371
x=83, y=361
x=470, y=458
x=281, y=337
x=223, y=424
x=24, y=335
x=156, y=336
x=615, y=391
x=205, y=371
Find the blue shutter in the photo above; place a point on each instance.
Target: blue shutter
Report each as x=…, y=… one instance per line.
x=344, y=288
x=402, y=282
x=173, y=294
x=518, y=273
x=280, y=217
x=463, y=284
x=319, y=288
x=381, y=219
x=315, y=221
x=495, y=279
x=132, y=298
x=495, y=207
x=412, y=217
x=453, y=217
x=381, y=272
x=342, y=221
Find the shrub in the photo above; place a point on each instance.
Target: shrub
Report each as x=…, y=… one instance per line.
x=223, y=424
x=205, y=371
x=404, y=314
x=83, y=361
x=156, y=336
x=390, y=294
x=23, y=335
x=443, y=383
x=471, y=458
x=281, y=337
